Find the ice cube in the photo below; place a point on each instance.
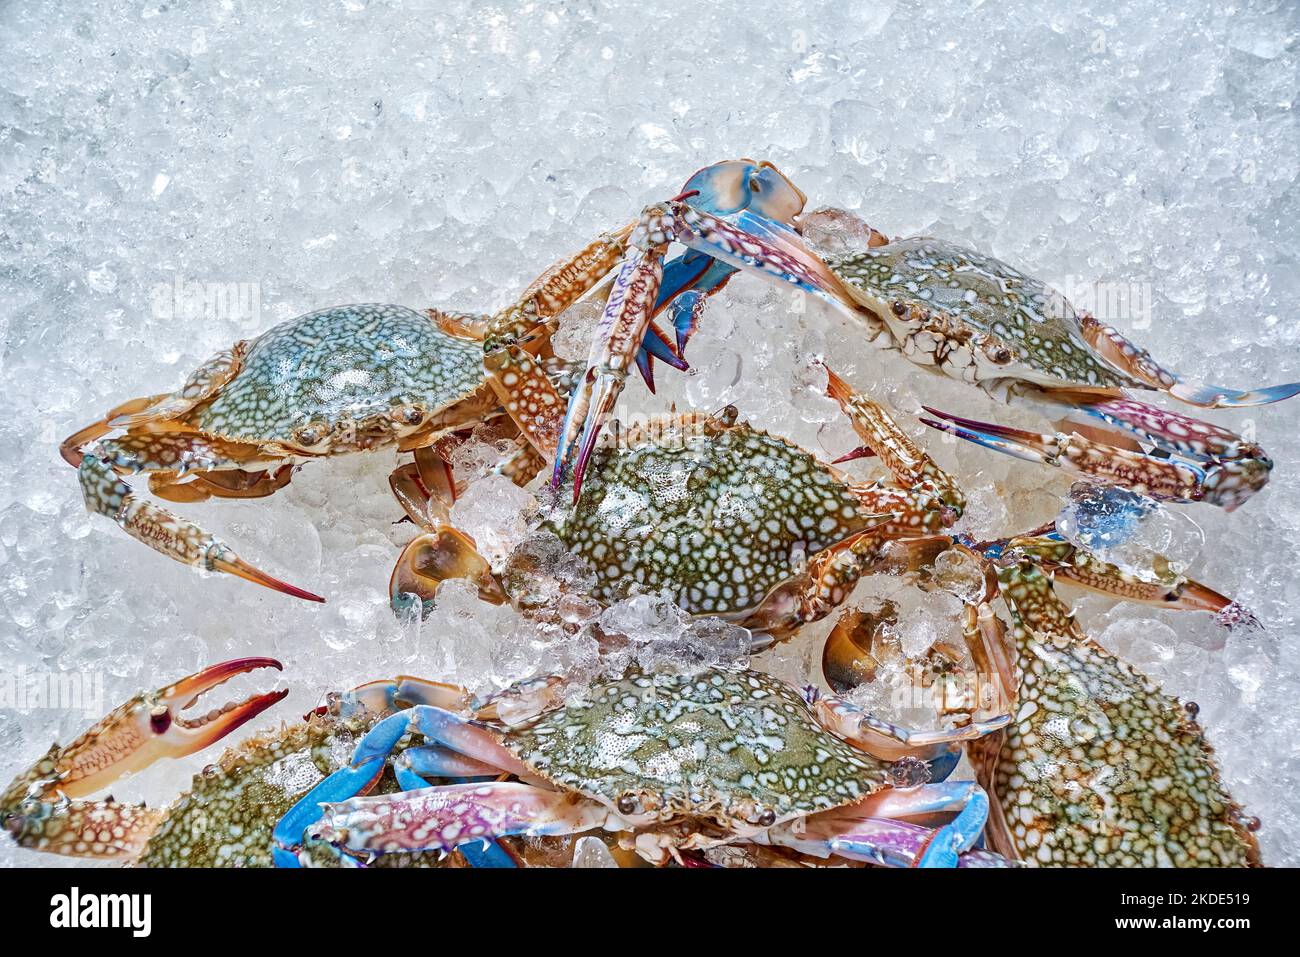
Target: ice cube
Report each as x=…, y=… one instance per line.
x=1137, y=534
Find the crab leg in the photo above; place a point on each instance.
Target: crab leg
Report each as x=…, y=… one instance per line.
x=1227, y=484
x=1137, y=362
x=456, y=746
x=1062, y=561
x=632, y=302
x=911, y=467
x=514, y=373
x=204, y=383
x=40, y=809
x=448, y=817
x=890, y=742
x=435, y=760
x=425, y=488
x=161, y=530
x=868, y=831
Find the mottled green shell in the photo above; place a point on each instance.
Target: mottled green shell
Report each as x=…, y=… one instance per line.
x=715, y=518
x=1102, y=769
x=344, y=365
x=725, y=746
x=226, y=819
x=910, y=283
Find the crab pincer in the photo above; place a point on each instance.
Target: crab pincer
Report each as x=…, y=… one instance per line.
x=732, y=215
x=42, y=808
x=1187, y=472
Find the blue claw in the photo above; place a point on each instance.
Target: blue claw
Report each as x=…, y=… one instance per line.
x=1219, y=397
x=342, y=784
x=783, y=255
x=367, y=765
x=961, y=833
x=654, y=347
x=434, y=760
x=687, y=309
x=943, y=764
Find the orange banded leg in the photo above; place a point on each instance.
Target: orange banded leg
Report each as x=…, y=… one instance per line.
x=1137, y=362
x=911, y=467
x=107, y=494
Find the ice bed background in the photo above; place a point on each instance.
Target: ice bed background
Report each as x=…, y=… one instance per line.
x=444, y=153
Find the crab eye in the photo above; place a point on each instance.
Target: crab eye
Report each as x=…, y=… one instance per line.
x=628, y=803
x=767, y=818
x=998, y=352
x=160, y=719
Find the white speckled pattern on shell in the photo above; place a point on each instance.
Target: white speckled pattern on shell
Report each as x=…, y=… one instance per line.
x=716, y=518
x=979, y=296
x=716, y=745
x=1100, y=768
x=339, y=365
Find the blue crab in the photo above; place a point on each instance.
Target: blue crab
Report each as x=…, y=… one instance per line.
x=1088, y=763
x=45, y=808
x=228, y=816
x=361, y=377
x=346, y=379
x=960, y=313
x=675, y=763
x=724, y=519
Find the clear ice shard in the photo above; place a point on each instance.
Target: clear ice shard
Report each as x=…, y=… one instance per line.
x=1137, y=534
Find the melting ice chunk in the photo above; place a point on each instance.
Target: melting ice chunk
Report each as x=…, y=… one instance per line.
x=831, y=231
x=492, y=512
x=1138, y=534
x=592, y=852
x=664, y=638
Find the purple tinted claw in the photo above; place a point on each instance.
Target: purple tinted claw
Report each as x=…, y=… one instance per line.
x=598, y=402
x=752, y=242
x=1023, y=444
x=1227, y=484
x=655, y=346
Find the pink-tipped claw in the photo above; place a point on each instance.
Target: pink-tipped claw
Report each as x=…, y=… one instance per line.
x=604, y=393
x=197, y=733
x=861, y=452
x=155, y=725
x=233, y=565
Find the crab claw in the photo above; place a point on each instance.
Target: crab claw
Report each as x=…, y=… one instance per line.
x=222, y=559
x=1226, y=484
x=861, y=452
x=154, y=725
x=180, y=735
x=592, y=406
x=751, y=241
x=1069, y=564
x=1221, y=397
x=1023, y=444
x=183, y=541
